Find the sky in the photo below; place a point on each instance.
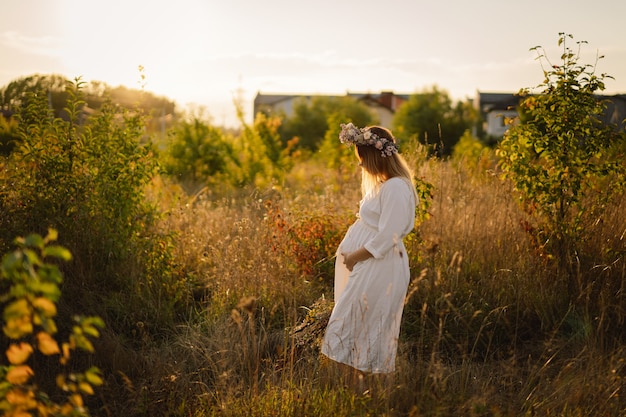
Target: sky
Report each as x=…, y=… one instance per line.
x=209, y=54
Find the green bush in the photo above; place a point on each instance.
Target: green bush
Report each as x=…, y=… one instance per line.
x=85, y=177
x=8, y=135
x=558, y=157
x=196, y=152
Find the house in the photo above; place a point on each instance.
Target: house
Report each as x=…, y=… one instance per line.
x=383, y=105
x=615, y=112
x=276, y=104
x=495, y=108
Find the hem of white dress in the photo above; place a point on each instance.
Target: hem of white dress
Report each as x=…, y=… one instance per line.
x=369, y=371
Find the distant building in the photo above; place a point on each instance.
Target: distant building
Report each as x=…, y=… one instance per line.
x=383, y=105
x=616, y=110
x=495, y=108
x=274, y=104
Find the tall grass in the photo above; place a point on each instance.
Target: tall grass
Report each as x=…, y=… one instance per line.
x=488, y=329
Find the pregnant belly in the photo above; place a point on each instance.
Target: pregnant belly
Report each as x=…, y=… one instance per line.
x=358, y=234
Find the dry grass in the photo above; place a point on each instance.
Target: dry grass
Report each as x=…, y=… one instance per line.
x=488, y=328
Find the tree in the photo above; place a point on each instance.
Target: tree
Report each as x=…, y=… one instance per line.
x=309, y=122
x=433, y=119
x=260, y=163
x=473, y=152
x=16, y=93
x=95, y=94
x=8, y=134
x=559, y=156
x=196, y=152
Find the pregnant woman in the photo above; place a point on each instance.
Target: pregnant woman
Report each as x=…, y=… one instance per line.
x=372, y=268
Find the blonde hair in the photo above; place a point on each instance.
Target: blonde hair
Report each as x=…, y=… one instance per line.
x=377, y=169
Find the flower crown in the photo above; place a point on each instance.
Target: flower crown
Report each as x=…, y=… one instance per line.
x=351, y=134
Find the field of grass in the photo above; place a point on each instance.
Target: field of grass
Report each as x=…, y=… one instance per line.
x=490, y=328
x=215, y=303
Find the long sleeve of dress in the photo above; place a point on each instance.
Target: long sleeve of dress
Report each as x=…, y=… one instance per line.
x=397, y=216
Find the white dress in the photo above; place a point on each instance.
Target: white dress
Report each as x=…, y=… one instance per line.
x=364, y=325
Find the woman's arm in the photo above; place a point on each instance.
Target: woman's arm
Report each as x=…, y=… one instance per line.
x=396, y=217
x=351, y=259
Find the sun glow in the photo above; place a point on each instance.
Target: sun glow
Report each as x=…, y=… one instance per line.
x=113, y=39
x=209, y=52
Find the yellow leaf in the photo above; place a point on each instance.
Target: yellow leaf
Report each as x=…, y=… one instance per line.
x=47, y=307
x=47, y=345
x=17, y=318
x=18, y=354
x=53, y=235
x=18, y=328
x=19, y=374
x=46, y=411
x=67, y=409
x=66, y=354
x=76, y=400
x=85, y=387
x=19, y=397
x=17, y=308
x=61, y=382
x=20, y=413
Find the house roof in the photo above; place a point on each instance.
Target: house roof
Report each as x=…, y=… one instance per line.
x=271, y=99
x=383, y=99
x=615, y=110
x=488, y=101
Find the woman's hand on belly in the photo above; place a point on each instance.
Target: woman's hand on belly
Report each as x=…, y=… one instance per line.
x=351, y=258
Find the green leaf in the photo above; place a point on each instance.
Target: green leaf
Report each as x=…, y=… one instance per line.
x=34, y=241
x=57, y=252
x=93, y=376
x=47, y=289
